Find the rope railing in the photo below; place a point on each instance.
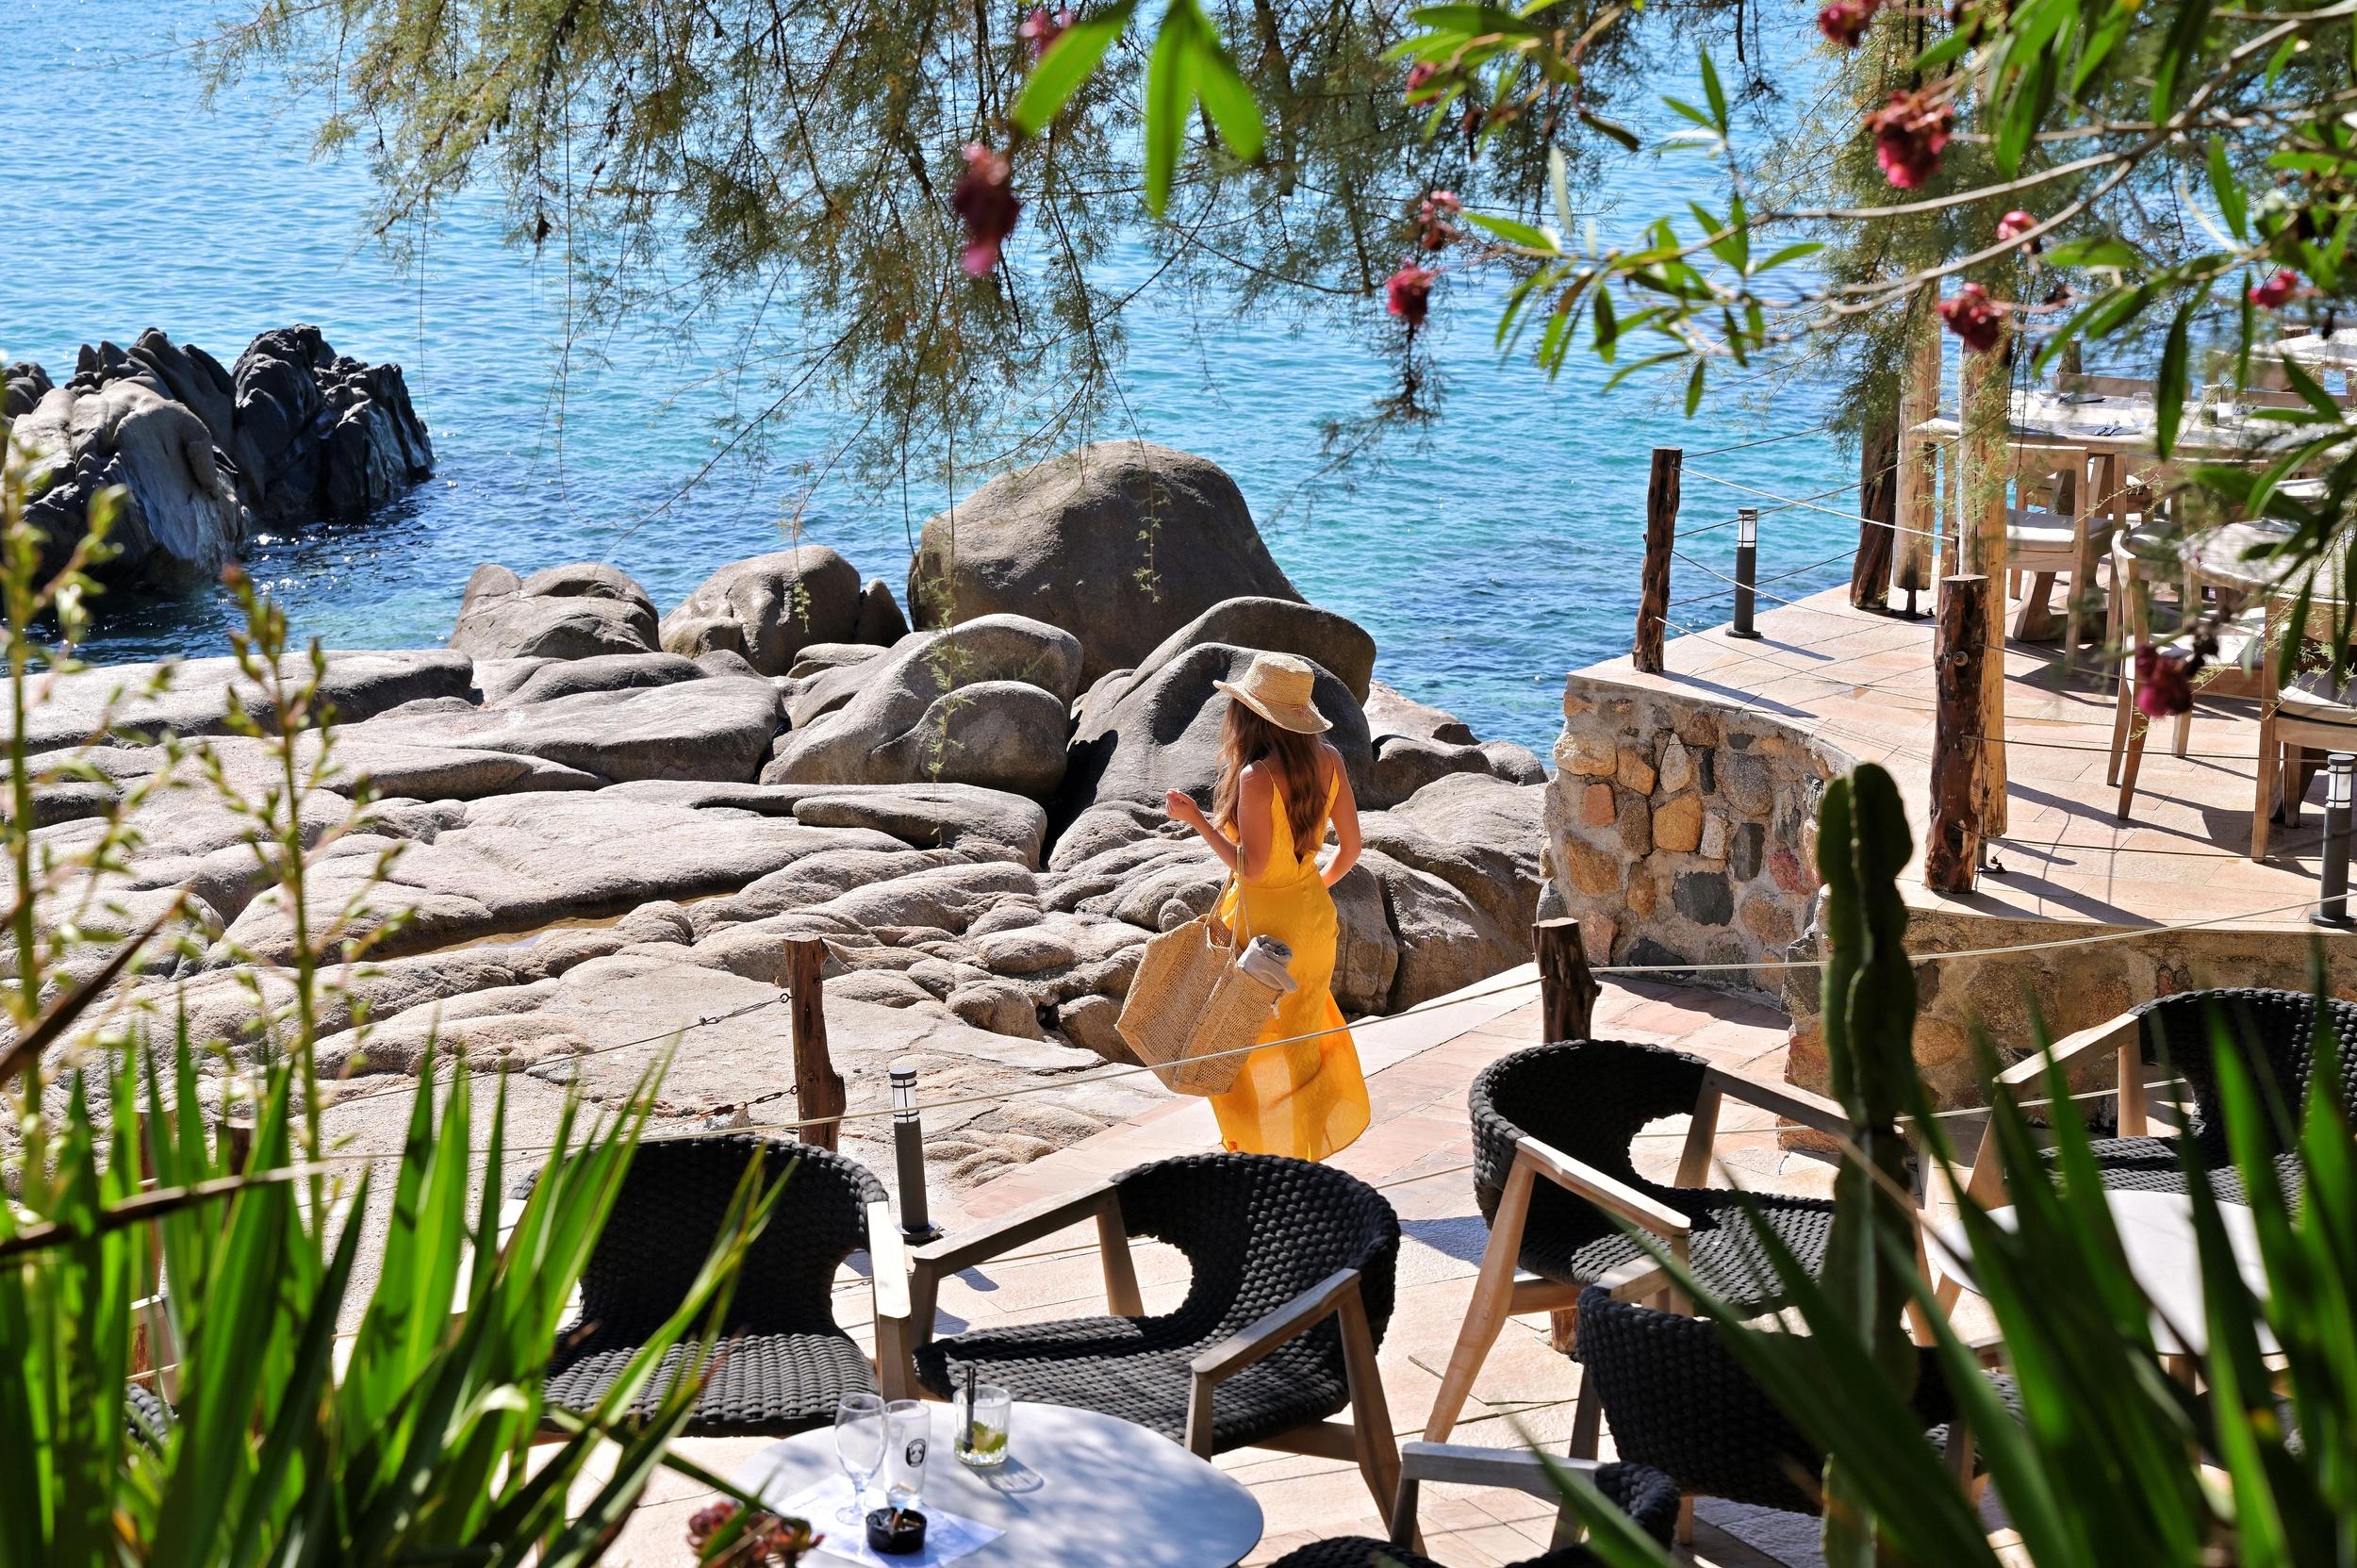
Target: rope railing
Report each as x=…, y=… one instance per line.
x=1455, y=999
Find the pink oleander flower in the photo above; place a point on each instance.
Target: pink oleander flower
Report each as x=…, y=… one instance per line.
x=1419, y=77
x=985, y=200
x=2276, y=291
x=1039, y=29
x=1845, y=21
x=1433, y=229
x=1972, y=316
x=2164, y=683
x=1408, y=293
x=2013, y=224
x=1910, y=132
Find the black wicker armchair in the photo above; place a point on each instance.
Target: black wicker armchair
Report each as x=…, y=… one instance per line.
x=1553, y=1127
x=781, y=1362
x=1678, y=1401
x=1292, y=1287
x=2274, y=1033
x=1649, y=1497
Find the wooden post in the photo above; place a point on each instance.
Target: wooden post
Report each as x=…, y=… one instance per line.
x=1985, y=409
x=817, y=1087
x=1567, y=992
x=1878, y=459
x=1916, y=503
x=1951, y=851
x=1661, y=532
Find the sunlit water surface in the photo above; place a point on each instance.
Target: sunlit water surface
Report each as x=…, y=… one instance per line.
x=1497, y=550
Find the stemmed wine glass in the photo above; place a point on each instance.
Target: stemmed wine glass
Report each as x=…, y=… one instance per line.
x=859, y=1444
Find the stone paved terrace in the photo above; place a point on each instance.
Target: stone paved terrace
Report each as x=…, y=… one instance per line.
x=1418, y=1152
x=2080, y=915
x=1862, y=682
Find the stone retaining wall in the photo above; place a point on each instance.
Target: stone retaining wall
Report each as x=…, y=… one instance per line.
x=1682, y=829
x=2067, y=988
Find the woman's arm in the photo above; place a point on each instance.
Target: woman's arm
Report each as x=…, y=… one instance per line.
x=1247, y=855
x=1346, y=825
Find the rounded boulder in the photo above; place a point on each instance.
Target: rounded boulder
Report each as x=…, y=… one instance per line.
x=1121, y=543
x=769, y=608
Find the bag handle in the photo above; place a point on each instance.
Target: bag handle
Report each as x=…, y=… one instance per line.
x=1220, y=897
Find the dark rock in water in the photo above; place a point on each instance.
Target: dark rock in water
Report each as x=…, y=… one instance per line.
x=21, y=386
x=297, y=433
x=319, y=434
x=182, y=523
x=1121, y=543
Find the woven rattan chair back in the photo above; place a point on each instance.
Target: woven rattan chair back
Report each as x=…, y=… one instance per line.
x=669, y=1214
x=1258, y=1229
x=2274, y=1033
x=1677, y=1400
x=1587, y=1099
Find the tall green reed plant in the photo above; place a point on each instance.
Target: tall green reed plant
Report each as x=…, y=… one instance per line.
x=2112, y=1459
x=134, y=1224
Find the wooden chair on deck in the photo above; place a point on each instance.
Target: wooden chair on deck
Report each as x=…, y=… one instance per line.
x=2239, y=644
x=2050, y=530
x=2309, y=713
x=1553, y=1127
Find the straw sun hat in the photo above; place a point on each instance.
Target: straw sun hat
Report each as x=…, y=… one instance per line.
x=1277, y=686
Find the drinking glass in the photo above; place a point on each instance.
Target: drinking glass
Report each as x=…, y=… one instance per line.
x=982, y=1430
x=859, y=1444
x=909, y=1425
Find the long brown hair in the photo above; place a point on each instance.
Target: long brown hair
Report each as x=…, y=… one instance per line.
x=1245, y=739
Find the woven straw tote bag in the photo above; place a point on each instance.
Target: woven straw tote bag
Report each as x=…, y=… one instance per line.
x=1191, y=1013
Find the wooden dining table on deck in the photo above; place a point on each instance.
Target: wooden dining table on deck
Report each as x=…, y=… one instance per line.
x=2323, y=351
x=2111, y=427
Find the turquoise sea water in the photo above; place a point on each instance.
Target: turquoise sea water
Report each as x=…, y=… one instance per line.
x=1498, y=550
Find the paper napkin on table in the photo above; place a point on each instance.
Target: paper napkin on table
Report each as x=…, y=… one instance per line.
x=948, y=1536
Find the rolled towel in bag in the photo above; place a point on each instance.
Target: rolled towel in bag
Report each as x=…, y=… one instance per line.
x=1265, y=959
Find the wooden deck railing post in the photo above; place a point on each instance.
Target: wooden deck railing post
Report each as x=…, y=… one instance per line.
x=1985, y=413
x=1951, y=851
x=1662, y=533
x=1567, y=992
x=1878, y=460
x=1915, y=501
x=817, y=1087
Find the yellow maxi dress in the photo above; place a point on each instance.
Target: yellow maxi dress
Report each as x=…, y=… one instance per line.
x=1306, y=1099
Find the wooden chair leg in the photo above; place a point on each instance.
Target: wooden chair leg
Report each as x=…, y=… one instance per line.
x=1370, y=1413
x=2123, y=713
x=2264, y=805
x=2185, y=733
x=1487, y=1313
x=2132, y=762
x=2291, y=778
x=1587, y=1419
x=1686, y=1520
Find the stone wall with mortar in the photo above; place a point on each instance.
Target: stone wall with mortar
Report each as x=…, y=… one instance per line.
x=1681, y=830
x=2069, y=988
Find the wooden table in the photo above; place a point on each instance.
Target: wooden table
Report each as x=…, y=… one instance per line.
x=2156, y=1235
x=1079, y=1491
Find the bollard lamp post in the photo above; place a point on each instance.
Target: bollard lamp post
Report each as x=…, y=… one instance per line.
x=2340, y=781
x=1746, y=569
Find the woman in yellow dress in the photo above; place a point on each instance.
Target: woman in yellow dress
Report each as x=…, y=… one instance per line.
x=1279, y=787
